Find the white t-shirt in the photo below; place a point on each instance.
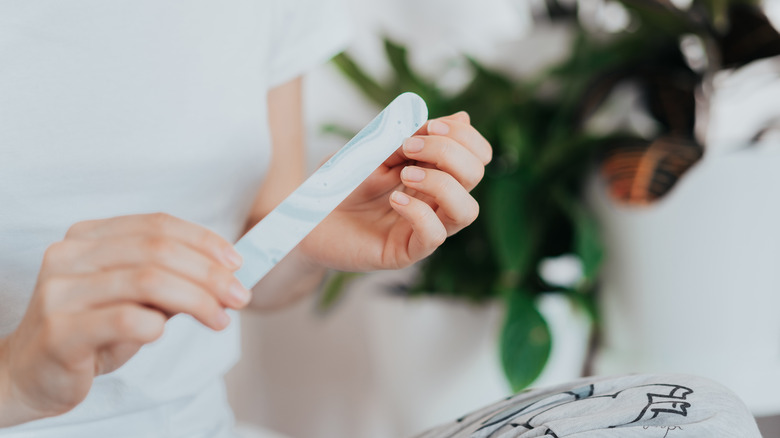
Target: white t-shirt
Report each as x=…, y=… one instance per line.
x=110, y=108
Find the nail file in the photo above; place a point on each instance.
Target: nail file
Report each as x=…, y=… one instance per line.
x=284, y=227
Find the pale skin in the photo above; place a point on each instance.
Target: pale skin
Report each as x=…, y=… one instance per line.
x=110, y=285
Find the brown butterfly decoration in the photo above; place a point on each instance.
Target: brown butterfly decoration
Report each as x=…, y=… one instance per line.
x=641, y=172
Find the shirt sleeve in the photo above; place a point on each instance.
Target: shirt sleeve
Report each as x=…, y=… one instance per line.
x=305, y=33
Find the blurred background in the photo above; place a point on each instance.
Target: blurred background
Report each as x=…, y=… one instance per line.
x=629, y=220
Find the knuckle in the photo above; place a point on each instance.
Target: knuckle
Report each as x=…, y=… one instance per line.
x=465, y=215
x=472, y=175
x=139, y=325
x=200, y=305
x=76, y=229
x=149, y=280
x=444, y=152
x=217, y=278
x=50, y=291
x=209, y=240
x=444, y=184
x=469, y=214
x=160, y=247
x=479, y=173
x=423, y=215
x=153, y=331
x=438, y=238
x=204, y=304
x=488, y=154
x=125, y=321
x=206, y=241
x=473, y=211
x=437, y=233
x=56, y=251
x=159, y=219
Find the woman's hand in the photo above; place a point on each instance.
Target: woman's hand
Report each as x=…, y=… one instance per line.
x=406, y=208
x=103, y=292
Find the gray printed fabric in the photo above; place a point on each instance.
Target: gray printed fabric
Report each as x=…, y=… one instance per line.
x=634, y=406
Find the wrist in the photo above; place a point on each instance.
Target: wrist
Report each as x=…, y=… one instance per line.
x=293, y=278
x=13, y=410
x=306, y=264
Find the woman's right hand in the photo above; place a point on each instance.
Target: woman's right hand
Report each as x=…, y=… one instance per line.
x=103, y=292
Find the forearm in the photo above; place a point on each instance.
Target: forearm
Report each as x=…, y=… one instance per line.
x=290, y=280
x=294, y=276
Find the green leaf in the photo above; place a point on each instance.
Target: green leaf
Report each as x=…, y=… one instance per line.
x=587, y=236
x=587, y=241
x=397, y=56
x=334, y=289
x=584, y=297
x=463, y=267
x=512, y=224
x=525, y=340
x=515, y=142
x=341, y=131
x=370, y=88
x=663, y=17
x=488, y=95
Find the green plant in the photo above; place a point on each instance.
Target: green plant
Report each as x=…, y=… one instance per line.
x=531, y=197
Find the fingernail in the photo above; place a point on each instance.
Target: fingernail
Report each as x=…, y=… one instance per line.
x=414, y=174
x=240, y=295
x=233, y=258
x=413, y=144
x=222, y=319
x=400, y=198
x=437, y=127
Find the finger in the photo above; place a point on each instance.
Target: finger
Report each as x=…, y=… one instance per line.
x=76, y=337
x=428, y=232
x=150, y=286
x=461, y=117
x=448, y=155
x=376, y=186
x=462, y=132
x=161, y=225
x=121, y=323
x=456, y=207
x=59, y=256
x=182, y=260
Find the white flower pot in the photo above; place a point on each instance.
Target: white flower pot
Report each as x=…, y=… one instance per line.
x=436, y=359
x=692, y=284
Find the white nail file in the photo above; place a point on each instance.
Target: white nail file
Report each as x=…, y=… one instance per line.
x=284, y=227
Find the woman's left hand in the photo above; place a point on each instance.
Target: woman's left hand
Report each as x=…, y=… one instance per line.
x=407, y=207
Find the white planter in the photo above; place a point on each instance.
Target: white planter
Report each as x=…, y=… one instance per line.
x=383, y=366
x=378, y=365
x=436, y=359
x=433, y=359
x=692, y=284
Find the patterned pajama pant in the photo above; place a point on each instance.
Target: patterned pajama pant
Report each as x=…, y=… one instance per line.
x=634, y=406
